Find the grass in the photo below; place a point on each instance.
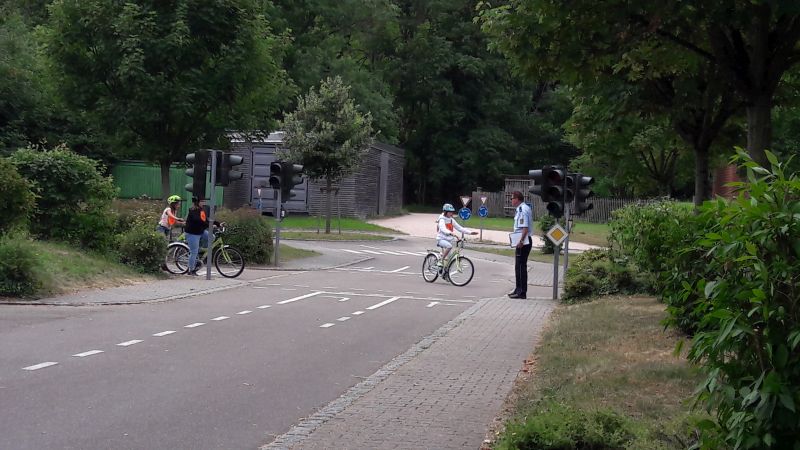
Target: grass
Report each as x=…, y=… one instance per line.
x=583, y=232
x=613, y=354
x=289, y=253
x=347, y=224
x=333, y=236
x=66, y=269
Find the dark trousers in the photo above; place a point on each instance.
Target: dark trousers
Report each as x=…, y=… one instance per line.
x=521, y=268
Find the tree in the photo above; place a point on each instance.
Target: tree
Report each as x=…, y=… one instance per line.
x=328, y=135
x=167, y=77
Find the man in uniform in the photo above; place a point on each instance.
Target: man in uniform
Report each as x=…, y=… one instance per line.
x=523, y=224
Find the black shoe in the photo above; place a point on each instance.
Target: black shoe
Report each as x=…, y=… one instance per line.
x=193, y=273
x=516, y=296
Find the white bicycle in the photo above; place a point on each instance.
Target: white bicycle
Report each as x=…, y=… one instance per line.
x=457, y=269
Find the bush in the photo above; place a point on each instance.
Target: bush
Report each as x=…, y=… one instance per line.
x=249, y=232
x=748, y=338
x=142, y=248
x=558, y=427
x=20, y=273
x=545, y=223
x=18, y=199
x=68, y=186
x=594, y=272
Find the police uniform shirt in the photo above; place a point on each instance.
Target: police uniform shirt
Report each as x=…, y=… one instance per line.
x=522, y=220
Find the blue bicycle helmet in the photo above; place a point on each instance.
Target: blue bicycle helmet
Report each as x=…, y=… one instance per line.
x=447, y=207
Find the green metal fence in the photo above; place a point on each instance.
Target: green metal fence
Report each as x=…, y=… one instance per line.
x=137, y=179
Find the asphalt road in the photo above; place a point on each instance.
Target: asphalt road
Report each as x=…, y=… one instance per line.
x=230, y=369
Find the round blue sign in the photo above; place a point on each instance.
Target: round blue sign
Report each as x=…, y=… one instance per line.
x=483, y=211
x=464, y=213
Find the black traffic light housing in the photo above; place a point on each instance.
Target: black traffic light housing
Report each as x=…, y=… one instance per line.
x=536, y=187
x=582, y=193
x=293, y=177
x=553, y=185
x=197, y=171
x=225, y=173
x=275, y=175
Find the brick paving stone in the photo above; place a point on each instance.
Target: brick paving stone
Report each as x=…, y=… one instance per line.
x=443, y=394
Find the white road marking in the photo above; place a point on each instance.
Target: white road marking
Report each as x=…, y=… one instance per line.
x=432, y=304
x=327, y=325
x=410, y=253
x=329, y=287
x=470, y=296
x=163, y=333
x=127, y=343
x=350, y=251
x=288, y=289
x=300, y=298
x=241, y=313
x=372, y=252
x=40, y=365
x=300, y=285
x=355, y=289
x=399, y=270
x=409, y=292
x=89, y=353
x=391, y=253
x=358, y=313
x=220, y=318
x=342, y=319
x=194, y=325
x=264, y=306
x=369, y=246
x=383, y=303
x=341, y=299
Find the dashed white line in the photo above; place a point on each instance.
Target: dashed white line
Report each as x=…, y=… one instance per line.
x=241, y=313
x=372, y=252
x=300, y=285
x=350, y=251
x=194, y=325
x=399, y=270
x=342, y=319
x=220, y=318
x=327, y=325
x=164, y=333
x=288, y=289
x=358, y=313
x=299, y=298
x=263, y=306
x=89, y=353
x=383, y=303
x=432, y=304
x=40, y=365
x=129, y=343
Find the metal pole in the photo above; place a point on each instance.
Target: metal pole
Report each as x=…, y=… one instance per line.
x=481, y=236
x=555, y=272
x=277, y=224
x=212, y=200
x=338, y=210
x=566, y=242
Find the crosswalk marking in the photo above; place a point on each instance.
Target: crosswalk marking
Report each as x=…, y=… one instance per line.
x=377, y=251
x=89, y=353
x=383, y=303
x=40, y=365
x=129, y=343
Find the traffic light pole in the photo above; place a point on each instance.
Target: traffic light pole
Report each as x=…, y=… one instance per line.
x=212, y=207
x=277, y=224
x=555, y=271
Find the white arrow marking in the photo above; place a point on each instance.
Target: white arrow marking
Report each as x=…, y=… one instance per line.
x=89, y=353
x=383, y=303
x=127, y=343
x=300, y=298
x=40, y=365
x=163, y=333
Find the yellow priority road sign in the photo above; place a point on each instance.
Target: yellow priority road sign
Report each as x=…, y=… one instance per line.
x=557, y=234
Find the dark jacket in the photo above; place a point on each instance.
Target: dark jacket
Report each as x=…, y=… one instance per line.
x=196, y=221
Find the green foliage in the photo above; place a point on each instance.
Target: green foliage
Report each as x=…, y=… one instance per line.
x=545, y=223
x=143, y=248
x=594, y=273
x=18, y=200
x=73, y=195
x=556, y=427
x=746, y=298
x=249, y=232
x=19, y=267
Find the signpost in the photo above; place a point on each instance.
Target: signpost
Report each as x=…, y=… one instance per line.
x=557, y=236
x=212, y=207
x=483, y=211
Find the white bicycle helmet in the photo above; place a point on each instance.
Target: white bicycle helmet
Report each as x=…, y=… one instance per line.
x=447, y=207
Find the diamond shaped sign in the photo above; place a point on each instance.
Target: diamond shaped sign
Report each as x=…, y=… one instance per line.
x=557, y=234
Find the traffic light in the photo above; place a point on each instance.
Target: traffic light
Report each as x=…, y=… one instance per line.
x=582, y=193
x=225, y=172
x=199, y=162
x=293, y=175
x=553, y=190
x=275, y=175
x=536, y=187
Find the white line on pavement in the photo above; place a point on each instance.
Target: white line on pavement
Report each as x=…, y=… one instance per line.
x=327, y=325
x=288, y=289
x=300, y=285
x=369, y=246
x=388, y=252
x=194, y=325
x=302, y=297
x=89, y=353
x=40, y=365
x=411, y=253
x=241, y=313
x=358, y=313
x=127, y=343
x=372, y=252
x=350, y=251
x=399, y=270
x=383, y=303
x=432, y=304
x=220, y=318
x=263, y=306
x=163, y=333
x=342, y=319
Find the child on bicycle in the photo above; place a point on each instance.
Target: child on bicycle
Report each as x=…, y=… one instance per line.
x=169, y=216
x=446, y=227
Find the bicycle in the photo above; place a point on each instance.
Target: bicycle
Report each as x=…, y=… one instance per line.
x=228, y=261
x=457, y=269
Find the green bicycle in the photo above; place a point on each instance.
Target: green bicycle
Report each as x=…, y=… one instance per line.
x=457, y=269
x=228, y=261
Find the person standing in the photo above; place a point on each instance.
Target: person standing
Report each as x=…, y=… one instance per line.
x=196, y=228
x=523, y=224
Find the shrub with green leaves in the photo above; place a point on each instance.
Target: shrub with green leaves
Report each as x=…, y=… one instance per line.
x=18, y=199
x=20, y=273
x=748, y=338
x=72, y=192
x=545, y=223
x=249, y=232
x=595, y=272
x=143, y=248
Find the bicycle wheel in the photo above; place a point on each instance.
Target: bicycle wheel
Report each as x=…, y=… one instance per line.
x=430, y=271
x=460, y=271
x=177, y=259
x=229, y=262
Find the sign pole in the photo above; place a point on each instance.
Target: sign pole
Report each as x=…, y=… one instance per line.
x=277, y=223
x=566, y=241
x=555, y=271
x=212, y=200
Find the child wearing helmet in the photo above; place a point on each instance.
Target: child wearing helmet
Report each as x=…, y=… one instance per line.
x=446, y=227
x=168, y=217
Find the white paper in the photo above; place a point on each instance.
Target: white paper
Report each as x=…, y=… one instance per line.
x=514, y=238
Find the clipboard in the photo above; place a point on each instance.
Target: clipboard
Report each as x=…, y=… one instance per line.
x=514, y=238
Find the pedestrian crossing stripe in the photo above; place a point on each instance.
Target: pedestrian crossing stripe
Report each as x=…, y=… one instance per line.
x=383, y=252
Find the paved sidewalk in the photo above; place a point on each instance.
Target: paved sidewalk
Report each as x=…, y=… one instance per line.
x=441, y=394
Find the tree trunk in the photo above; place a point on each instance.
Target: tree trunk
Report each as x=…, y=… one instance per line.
x=328, y=193
x=165, y=166
x=759, y=128
x=702, y=186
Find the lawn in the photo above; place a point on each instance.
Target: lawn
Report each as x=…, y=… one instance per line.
x=312, y=223
x=583, y=232
x=289, y=253
x=612, y=354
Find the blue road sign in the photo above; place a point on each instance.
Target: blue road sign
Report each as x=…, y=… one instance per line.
x=464, y=213
x=483, y=211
